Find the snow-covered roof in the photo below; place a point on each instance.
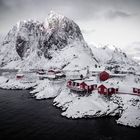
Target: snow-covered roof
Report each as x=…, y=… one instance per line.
x=124, y=88
x=111, y=85
x=59, y=74
x=96, y=69
x=78, y=81
x=93, y=78
x=118, y=75
x=88, y=82
x=47, y=76
x=19, y=74
x=128, y=87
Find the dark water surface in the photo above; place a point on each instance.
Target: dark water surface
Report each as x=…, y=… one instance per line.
x=23, y=117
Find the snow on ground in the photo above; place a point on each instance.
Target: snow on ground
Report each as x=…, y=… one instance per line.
x=47, y=89
x=127, y=107
x=131, y=111
x=73, y=105
x=7, y=83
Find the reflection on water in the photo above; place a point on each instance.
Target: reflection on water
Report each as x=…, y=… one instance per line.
x=23, y=117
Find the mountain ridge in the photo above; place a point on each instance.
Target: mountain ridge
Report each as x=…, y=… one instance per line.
x=33, y=41
x=56, y=42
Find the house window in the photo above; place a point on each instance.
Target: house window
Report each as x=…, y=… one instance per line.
x=99, y=89
x=69, y=83
x=73, y=83
x=110, y=90
x=105, y=90
x=135, y=90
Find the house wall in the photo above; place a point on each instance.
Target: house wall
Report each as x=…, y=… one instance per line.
x=69, y=83
x=102, y=89
x=111, y=90
x=82, y=85
x=104, y=76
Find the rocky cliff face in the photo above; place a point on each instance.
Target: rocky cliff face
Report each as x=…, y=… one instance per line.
x=33, y=43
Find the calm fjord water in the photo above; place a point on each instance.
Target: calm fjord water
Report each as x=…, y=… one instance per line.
x=23, y=117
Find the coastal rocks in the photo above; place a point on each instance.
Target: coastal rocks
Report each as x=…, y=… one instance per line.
x=47, y=89
x=126, y=107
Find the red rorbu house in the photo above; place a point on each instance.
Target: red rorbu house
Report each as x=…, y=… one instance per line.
x=107, y=88
x=82, y=86
x=136, y=90
x=57, y=73
x=19, y=76
x=104, y=76
x=54, y=71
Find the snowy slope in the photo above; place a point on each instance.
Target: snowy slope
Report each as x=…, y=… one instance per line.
x=1, y=38
x=95, y=105
x=31, y=44
x=113, y=56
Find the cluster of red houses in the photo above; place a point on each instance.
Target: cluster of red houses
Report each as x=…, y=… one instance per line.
x=82, y=85
x=87, y=86
x=51, y=74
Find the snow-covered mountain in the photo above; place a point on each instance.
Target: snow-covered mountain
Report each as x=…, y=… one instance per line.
x=57, y=42
x=111, y=55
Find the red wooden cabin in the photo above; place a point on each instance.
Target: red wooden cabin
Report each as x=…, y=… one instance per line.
x=69, y=83
x=19, y=76
x=51, y=71
x=102, y=89
x=83, y=85
x=79, y=85
x=104, y=76
x=91, y=85
x=136, y=90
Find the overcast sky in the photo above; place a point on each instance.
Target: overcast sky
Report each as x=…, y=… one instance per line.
x=101, y=21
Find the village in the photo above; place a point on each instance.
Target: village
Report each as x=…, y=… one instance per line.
x=87, y=81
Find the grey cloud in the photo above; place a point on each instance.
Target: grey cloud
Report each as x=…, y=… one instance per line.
x=117, y=14
x=82, y=10
x=136, y=46
x=88, y=31
x=133, y=49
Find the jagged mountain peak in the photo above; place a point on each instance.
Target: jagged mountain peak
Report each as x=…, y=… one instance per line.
x=65, y=27
x=32, y=41
x=54, y=16
x=111, y=55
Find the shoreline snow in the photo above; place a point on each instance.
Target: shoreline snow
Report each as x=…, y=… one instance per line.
x=127, y=107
